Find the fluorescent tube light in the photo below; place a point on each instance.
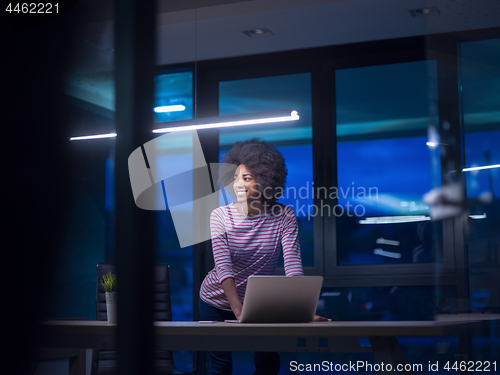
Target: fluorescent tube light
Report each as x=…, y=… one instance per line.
x=170, y=108
x=330, y=294
x=388, y=254
x=226, y=121
x=402, y=219
x=383, y=241
x=476, y=217
x=431, y=144
x=110, y=135
x=479, y=168
x=394, y=219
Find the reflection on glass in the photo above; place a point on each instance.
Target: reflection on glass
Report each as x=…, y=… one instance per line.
x=167, y=245
x=173, y=97
x=383, y=303
x=173, y=92
x=292, y=139
x=480, y=82
x=87, y=236
x=384, y=164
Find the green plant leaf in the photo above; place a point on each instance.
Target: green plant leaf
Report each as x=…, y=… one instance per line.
x=109, y=282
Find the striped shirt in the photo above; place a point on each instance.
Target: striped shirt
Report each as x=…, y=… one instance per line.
x=245, y=246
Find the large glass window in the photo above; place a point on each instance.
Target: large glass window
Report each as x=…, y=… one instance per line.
x=174, y=102
x=384, y=165
x=292, y=139
x=480, y=83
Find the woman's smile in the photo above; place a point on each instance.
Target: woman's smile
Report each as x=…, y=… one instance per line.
x=245, y=186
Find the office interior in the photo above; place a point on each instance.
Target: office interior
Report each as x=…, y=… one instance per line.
x=395, y=99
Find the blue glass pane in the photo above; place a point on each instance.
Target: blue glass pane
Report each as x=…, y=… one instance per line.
x=175, y=89
x=384, y=303
x=480, y=83
x=173, y=92
x=292, y=139
x=384, y=165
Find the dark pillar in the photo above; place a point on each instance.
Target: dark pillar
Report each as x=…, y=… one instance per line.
x=134, y=228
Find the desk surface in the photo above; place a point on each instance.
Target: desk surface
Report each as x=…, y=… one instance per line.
x=467, y=317
x=323, y=329
x=286, y=337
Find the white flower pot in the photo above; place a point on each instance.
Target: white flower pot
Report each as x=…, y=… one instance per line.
x=111, y=307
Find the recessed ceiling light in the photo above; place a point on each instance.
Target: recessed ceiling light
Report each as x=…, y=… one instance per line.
x=263, y=31
x=424, y=12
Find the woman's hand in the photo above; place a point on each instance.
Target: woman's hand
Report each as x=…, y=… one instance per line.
x=237, y=315
x=232, y=296
x=237, y=309
x=318, y=318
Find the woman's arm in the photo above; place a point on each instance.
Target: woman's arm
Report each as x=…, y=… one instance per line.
x=232, y=296
x=290, y=244
x=223, y=262
x=220, y=247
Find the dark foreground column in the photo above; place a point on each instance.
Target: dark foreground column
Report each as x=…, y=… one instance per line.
x=134, y=228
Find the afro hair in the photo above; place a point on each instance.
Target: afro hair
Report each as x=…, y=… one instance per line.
x=265, y=163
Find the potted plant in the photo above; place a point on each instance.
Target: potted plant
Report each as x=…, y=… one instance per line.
x=109, y=284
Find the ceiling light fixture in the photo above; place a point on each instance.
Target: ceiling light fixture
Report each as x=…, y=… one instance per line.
x=383, y=241
x=394, y=219
x=477, y=217
x=97, y=136
x=227, y=121
x=405, y=219
x=480, y=168
x=170, y=108
x=330, y=294
x=388, y=254
x=263, y=31
x=424, y=12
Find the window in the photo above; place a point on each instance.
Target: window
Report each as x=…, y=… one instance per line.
x=480, y=82
x=174, y=91
x=292, y=139
x=384, y=166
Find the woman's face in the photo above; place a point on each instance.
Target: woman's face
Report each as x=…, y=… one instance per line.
x=245, y=186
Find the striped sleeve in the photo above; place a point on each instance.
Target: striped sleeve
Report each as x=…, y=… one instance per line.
x=290, y=244
x=220, y=246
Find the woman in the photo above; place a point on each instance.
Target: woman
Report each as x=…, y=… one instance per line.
x=246, y=239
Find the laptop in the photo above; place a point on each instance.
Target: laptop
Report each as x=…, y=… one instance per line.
x=280, y=299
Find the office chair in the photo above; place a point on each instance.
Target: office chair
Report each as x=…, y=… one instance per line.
x=104, y=362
